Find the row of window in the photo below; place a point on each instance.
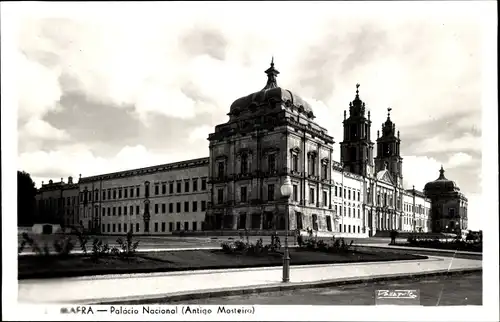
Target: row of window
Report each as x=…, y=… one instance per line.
x=158, y=208
x=347, y=193
x=347, y=229
x=131, y=192
x=123, y=227
x=348, y=211
x=418, y=209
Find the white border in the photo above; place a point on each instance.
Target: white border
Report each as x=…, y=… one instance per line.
x=489, y=310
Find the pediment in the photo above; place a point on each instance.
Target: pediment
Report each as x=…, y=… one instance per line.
x=385, y=176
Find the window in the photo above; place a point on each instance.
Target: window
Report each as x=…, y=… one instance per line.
x=119, y=193
x=298, y=220
x=349, y=211
x=358, y=230
x=244, y=164
x=138, y=191
x=349, y=194
x=203, y=205
x=137, y=228
x=109, y=228
x=109, y=196
x=171, y=188
x=125, y=193
x=195, y=185
x=131, y=210
x=186, y=206
x=179, y=187
x=220, y=196
x=114, y=194
x=295, y=192
x=119, y=228
x=114, y=211
x=345, y=194
x=336, y=191
x=170, y=226
x=124, y=210
x=178, y=206
x=340, y=192
x=325, y=199
x=359, y=214
x=163, y=208
x=451, y=212
x=359, y=195
x=163, y=189
x=270, y=192
x=312, y=165
x=311, y=195
x=329, y=223
x=195, y=206
x=345, y=211
x=295, y=162
x=156, y=208
x=203, y=184
x=186, y=225
x=131, y=192
x=171, y=207
x=243, y=194
x=157, y=190
x=119, y=211
x=195, y=226
x=271, y=162
x=315, y=222
x=324, y=171
x=349, y=228
x=114, y=227
x=103, y=211
x=103, y=196
x=186, y=186
x=156, y=227
x=163, y=227
x=109, y=212
x=220, y=170
x=178, y=226
x=137, y=210
x=124, y=228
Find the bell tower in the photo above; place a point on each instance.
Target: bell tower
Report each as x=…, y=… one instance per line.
x=388, y=153
x=356, y=149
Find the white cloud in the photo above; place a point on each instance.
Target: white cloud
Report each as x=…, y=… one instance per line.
x=41, y=130
x=201, y=133
x=38, y=88
x=439, y=144
x=418, y=170
x=475, y=210
x=459, y=159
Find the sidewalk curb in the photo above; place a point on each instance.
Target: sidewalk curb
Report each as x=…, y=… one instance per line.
x=277, y=287
x=423, y=249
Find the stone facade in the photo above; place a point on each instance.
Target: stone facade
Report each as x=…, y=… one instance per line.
x=449, y=205
x=57, y=202
x=157, y=200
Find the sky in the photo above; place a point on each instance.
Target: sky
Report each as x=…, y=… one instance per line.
x=105, y=87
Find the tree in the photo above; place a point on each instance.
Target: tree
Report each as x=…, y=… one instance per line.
x=26, y=193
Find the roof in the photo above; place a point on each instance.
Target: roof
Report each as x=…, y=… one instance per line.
x=441, y=184
x=149, y=170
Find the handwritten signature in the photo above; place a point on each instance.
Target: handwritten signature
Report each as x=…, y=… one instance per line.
x=397, y=294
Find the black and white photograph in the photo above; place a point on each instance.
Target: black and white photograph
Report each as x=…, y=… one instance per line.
x=250, y=160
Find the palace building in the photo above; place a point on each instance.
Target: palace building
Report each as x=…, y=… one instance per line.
x=272, y=134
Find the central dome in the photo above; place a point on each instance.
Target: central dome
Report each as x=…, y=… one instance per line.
x=271, y=93
x=441, y=184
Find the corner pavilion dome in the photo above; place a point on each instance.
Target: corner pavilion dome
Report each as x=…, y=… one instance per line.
x=271, y=93
x=441, y=184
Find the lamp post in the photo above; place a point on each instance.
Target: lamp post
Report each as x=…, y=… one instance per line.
x=286, y=192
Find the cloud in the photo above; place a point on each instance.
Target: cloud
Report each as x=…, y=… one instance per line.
x=201, y=133
x=459, y=159
x=38, y=88
x=41, y=130
x=79, y=159
x=418, y=170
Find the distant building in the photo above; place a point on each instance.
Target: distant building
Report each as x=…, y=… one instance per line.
x=156, y=200
x=57, y=203
x=448, y=205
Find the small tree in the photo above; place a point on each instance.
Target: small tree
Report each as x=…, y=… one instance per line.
x=394, y=234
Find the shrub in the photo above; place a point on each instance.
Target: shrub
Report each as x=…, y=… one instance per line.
x=64, y=246
x=99, y=249
x=128, y=247
x=83, y=240
x=300, y=240
x=322, y=245
x=240, y=245
x=227, y=247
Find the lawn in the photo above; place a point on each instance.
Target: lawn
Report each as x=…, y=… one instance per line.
x=468, y=247
x=78, y=265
